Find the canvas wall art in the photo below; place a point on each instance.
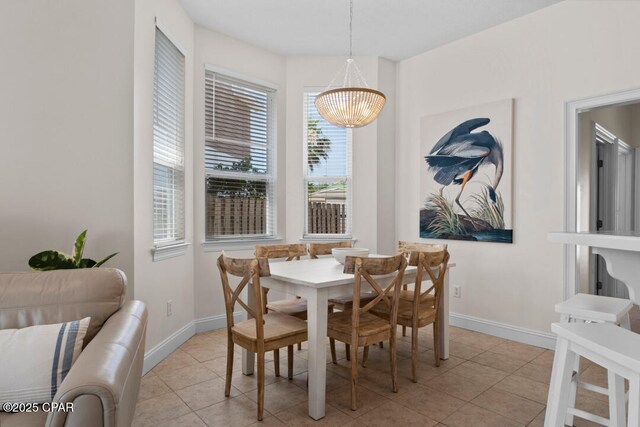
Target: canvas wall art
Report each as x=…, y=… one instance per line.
x=465, y=174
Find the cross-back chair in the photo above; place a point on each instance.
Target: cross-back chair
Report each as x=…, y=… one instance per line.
x=359, y=327
x=324, y=248
x=424, y=306
x=406, y=248
x=262, y=332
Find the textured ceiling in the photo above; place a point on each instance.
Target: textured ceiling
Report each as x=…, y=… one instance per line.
x=394, y=29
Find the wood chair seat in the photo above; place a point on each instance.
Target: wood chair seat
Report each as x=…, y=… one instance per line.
x=408, y=295
x=280, y=330
x=426, y=312
x=373, y=329
x=345, y=302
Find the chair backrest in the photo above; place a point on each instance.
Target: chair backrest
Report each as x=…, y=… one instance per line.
x=435, y=265
x=250, y=271
x=367, y=268
x=316, y=249
x=406, y=248
x=289, y=252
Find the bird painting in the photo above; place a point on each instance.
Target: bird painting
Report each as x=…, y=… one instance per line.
x=462, y=175
x=458, y=155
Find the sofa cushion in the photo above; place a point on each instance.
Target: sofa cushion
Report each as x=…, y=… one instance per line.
x=35, y=360
x=23, y=419
x=38, y=298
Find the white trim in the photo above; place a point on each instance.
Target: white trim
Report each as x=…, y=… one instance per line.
x=170, y=251
x=572, y=135
x=219, y=321
x=503, y=330
x=170, y=344
x=636, y=183
x=320, y=238
x=238, y=244
x=235, y=75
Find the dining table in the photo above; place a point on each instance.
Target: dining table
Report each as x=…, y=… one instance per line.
x=317, y=280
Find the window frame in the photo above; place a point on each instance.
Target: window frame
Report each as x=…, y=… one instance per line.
x=306, y=236
x=213, y=243
x=175, y=245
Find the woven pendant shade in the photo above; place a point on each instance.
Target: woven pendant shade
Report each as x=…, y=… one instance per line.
x=350, y=107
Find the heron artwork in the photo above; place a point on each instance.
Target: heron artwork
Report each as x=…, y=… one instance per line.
x=464, y=170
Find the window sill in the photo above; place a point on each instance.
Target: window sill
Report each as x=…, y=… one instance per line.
x=170, y=251
x=237, y=245
x=327, y=238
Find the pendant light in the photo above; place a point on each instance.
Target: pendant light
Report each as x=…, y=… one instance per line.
x=354, y=104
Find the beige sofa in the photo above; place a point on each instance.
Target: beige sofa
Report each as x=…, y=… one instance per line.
x=104, y=382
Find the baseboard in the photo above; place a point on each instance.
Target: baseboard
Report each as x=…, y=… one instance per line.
x=158, y=353
x=219, y=321
x=503, y=330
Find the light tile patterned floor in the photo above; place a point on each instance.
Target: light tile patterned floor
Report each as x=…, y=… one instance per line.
x=487, y=381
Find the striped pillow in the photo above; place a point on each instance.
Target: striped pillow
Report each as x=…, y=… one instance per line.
x=35, y=360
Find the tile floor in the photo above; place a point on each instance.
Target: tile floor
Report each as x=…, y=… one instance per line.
x=487, y=381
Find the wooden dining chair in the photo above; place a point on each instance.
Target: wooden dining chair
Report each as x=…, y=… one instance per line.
x=324, y=248
x=406, y=248
x=360, y=328
x=424, y=306
x=264, y=331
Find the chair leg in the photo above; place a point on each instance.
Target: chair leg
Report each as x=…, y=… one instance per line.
x=332, y=345
x=404, y=331
x=634, y=401
x=347, y=350
x=365, y=356
x=290, y=362
x=227, y=383
x=560, y=386
x=393, y=348
x=276, y=361
x=354, y=377
x=414, y=354
x=260, y=385
x=573, y=392
x=617, y=400
x=436, y=342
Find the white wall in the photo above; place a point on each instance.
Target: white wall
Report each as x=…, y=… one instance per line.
x=221, y=51
x=564, y=52
x=169, y=279
x=66, y=130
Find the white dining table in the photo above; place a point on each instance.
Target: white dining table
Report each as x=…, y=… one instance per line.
x=317, y=280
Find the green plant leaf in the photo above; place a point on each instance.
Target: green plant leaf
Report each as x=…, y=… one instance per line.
x=99, y=263
x=86, y=263
x=51, y=260
x=78, y=248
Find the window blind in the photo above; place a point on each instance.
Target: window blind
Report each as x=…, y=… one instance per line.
x=239, y=158
x=168, y=143
x=327, y=165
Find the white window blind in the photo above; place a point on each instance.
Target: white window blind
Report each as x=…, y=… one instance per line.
x=168, y=143
x=327, y=176
x=239, y=159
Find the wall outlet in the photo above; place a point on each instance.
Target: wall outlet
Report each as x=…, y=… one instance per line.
x=457, y=291
x=169, y=308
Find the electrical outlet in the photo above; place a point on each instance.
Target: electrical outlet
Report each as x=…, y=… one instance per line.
x=457, y=291
x=169, y=308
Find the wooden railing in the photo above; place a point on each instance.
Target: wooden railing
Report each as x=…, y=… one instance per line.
x=248, y=215
x=327, y=218
x=236, y=215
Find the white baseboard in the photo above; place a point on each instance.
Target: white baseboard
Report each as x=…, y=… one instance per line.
x=219, y=321
x=503, y=330
x=158, y=353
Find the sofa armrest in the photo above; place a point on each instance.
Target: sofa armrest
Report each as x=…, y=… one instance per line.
x=104, y=382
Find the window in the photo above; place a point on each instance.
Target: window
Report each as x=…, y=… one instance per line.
x=239, y=159
x=168, y=143
x=327, y=174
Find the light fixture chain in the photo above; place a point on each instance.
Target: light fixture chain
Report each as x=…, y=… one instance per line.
x=350, y=28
